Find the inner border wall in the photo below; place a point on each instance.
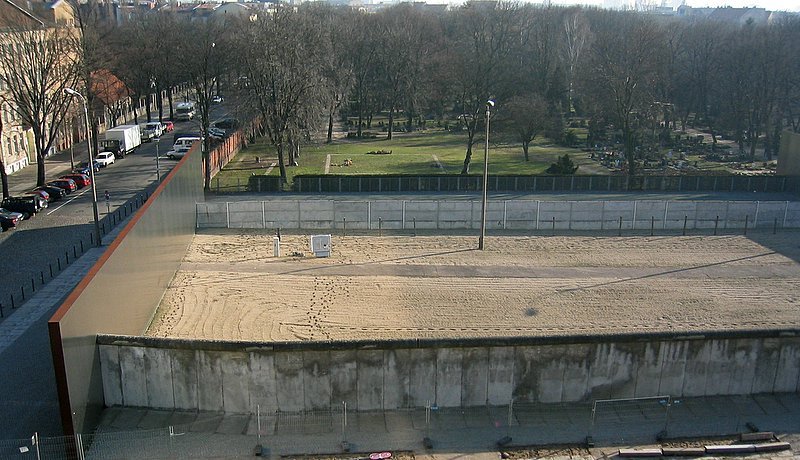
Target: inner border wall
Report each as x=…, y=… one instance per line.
x=235, y=377
x=374, y=183
x=529, y=215
x=122, y=290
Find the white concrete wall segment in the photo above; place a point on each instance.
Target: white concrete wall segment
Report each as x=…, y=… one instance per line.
x=500, y=378
x=263, y=390
x=391, y=376
x=245, y=214
x=422, y=377
x=449, y=374
x=184, y=378
x=281, y=213
x=395, y=375
x=672, y=356
x=289, y=381
x=212, y=215
x=475, y=375
x=648, y=372
x=370, y=383
x=209, y=382
x=132, y=374
x=423, y=214
x=520, y=214
x=158, y=377
x=387, y=214
x=316, y=380
x=112, y=380
x=235, y=369
x=344, y=378
x=317, y=214
x=500, y=214
x=787, y=377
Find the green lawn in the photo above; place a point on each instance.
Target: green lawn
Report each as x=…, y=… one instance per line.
x=429, y=152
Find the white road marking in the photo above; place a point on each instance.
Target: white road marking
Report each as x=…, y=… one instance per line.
x=86, y=189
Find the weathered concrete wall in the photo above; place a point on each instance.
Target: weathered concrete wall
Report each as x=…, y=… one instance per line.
x=500, y=215
x=163, y=373
x=789, y=153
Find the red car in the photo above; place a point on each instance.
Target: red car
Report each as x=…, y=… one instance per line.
x=41, y=193
x=81, y=180
x=68, y=185
x=168, y=126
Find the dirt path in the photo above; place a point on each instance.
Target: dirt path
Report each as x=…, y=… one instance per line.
x=231, y=288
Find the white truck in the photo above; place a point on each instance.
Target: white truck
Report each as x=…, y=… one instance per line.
x=184, y=111
x=121, y=140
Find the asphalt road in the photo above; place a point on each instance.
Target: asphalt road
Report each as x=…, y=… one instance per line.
x=37, y=248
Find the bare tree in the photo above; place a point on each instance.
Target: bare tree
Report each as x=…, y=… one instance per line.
x=36, y=66
x=481, y=38
x=527, y=116
x=282, y=56
x=623, y=73
x=577, y=36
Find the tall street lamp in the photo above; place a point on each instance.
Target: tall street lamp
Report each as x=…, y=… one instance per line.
x=489, y=105
x=72, y=92
x=158, y=170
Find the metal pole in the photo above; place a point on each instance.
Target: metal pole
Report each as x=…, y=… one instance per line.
x=489, y=105
x=158, y=169
x=72, y=92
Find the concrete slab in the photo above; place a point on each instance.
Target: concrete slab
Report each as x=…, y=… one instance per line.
x=129, y=419
x=233, y=424
x=155, y=419
x=182, y=418
x=206, y=422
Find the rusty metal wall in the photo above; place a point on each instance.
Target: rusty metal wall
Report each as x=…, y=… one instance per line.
x=120, y=293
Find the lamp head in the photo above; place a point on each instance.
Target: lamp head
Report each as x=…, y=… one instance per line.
x=490, y=103
x=71, y=92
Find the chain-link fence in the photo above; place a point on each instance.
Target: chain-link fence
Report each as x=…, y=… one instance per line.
x=521, y=423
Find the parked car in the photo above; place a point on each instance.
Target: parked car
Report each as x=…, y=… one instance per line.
x=217, y=132
x=56, y=193
x=217, y=99
x=177, y=154
x=105, y=158
x=68, y=185
x=168, y=126
x=9, y=219
x=28, y=204
x=41, y=193
x=228, y=124
x=83, y=168
x=81, y=180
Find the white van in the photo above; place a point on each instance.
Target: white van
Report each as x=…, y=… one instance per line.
x=184, y=143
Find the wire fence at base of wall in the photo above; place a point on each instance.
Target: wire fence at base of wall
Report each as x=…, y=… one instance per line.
x=339, y=430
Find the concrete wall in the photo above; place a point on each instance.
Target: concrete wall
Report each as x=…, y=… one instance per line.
x=235, y=377
x=789, y=154
x=120, y=294
x=500, y=215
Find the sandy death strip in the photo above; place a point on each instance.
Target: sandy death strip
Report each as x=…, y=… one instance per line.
x=230, y=287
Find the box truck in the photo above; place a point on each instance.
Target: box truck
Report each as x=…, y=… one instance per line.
x=121, y=140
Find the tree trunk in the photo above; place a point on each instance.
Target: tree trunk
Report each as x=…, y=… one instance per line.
x=468, y=156
x=159, y=104
x=169, y=99
x=147, y=108
x=3, y=175
x=281, y=162
x=330, y=127
x=391, y=122
x=525, y=145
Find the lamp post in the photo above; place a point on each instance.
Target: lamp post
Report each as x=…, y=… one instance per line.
x=489, y=105
x=158, y=170
x=72, y=92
